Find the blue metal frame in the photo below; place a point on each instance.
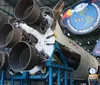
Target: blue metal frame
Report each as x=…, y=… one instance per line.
x=61, y=72
x=2, y=77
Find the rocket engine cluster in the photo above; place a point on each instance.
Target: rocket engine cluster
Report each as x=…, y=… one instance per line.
x=30, y=37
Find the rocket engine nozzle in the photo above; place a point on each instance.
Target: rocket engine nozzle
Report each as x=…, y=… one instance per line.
x=3, y=60
x=9, y=35
x=23, y=57
x=28, y=11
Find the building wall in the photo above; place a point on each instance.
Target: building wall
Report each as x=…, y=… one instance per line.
x=6, y=7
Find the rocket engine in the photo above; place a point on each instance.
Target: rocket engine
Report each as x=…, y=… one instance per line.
x=31, y=40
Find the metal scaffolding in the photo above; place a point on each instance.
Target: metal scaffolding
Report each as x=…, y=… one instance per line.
x=63, y=73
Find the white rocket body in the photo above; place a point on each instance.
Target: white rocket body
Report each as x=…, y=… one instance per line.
x=87, y=60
